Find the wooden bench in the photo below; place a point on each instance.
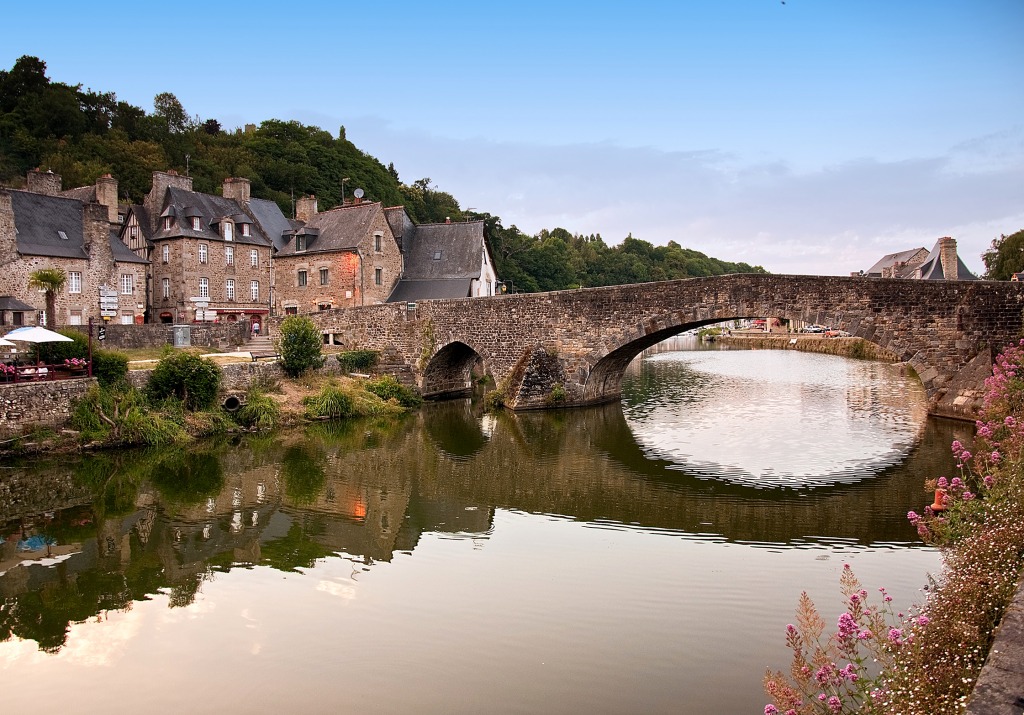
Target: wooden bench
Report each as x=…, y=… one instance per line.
x=267, y=354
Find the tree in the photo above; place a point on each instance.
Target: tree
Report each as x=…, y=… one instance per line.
x=300, y=345
x=167, y=107
x=51, y=281
x=1005, y=257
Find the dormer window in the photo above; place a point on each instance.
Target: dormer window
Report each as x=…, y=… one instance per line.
x=168, y=222
x=195, y=224
x=245, y=229
x=300, y=243
x=229, y=231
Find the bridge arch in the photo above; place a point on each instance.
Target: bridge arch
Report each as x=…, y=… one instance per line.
x=449, y=371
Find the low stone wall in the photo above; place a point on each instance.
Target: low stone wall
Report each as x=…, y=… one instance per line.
x=26, y=405
x=204, y=335
x=237, y=376
x=844, y=347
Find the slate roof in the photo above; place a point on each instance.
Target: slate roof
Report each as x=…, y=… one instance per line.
x=931, y=269
x=8, y=302
x=85, y=194
x=270, y=219
x=413, y=290
x=340, y=229
x=444, y=251
x=142, y=218
x=211, y=210
x=890, y=259
x=37, y=220
x=121, y=252
x=400, y=223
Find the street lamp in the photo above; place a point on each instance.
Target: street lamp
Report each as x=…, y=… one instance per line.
x=343, y=181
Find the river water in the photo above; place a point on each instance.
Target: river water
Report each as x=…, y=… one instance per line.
x=642, y=557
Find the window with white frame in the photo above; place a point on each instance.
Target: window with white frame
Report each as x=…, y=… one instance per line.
x=195, y=224
x=166, y=253
x=127, y=318
x=74, y=282
x=245, y=229
x=254, y=258
x=254, y=291
x=229, y=231
x=168, y=222
x=203, y=252
x=204, y=287
x=75, y=318
x=165, y=287
x=229, y=255
x=324, y=278
x=230, y=289
x=127, y=284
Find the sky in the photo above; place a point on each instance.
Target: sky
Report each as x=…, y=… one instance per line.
x=805, y=136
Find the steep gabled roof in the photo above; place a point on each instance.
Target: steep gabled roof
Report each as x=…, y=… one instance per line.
x=121, y=252
x=270, y=219
x=40, y=221
x=444, y=251
x=931, y=269
x=341, y=229
x=413, y=290
x=889, y=260
x=211, y=210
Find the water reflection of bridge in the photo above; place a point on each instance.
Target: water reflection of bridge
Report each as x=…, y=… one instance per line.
x=364, y=492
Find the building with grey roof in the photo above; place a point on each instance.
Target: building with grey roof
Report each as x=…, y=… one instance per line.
x=941, y=263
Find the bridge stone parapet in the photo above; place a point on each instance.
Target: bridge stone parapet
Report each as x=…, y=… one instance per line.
x=571, y=347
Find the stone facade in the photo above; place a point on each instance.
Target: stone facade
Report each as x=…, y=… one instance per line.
x=38, y=404
x=938, y=327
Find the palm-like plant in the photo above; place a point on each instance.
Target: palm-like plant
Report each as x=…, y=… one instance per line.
x=51, y=281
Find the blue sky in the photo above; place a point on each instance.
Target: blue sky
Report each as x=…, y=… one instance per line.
x=811, y=136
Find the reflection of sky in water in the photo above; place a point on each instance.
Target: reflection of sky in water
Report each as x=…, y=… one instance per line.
x=809, y=419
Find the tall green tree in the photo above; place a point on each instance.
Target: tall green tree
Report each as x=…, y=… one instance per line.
x=1005, y=257
x=51, y=281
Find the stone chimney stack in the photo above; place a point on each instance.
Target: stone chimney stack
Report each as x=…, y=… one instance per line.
x=43, y=182
x=305, y=208
x=947, y=256
x=236, y=189
x=163, y=180
x=106, y=195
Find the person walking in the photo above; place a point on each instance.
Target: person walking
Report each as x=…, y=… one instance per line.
x=255, y=328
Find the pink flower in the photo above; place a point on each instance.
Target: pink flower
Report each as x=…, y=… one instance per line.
x=943, y=483
x=770, y=709
x=989, y=480
x=913, y=516
x=835, y=704
x=968, y=496
x=996, y=457
x=895, y=636
x=922, y=620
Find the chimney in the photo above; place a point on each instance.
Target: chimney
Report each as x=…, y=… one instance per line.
x=163, y=180
x=947, y=256
x=106, y=195
x=305, y=208
x=43, y=182
x=447, y=219
x=236, y=189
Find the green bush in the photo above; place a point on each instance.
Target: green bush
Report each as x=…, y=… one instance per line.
x=57, y=353
x=330, y=402
x=300, y=345
x=357, y=360
x=109, y=367
x=191, y=379
x=260, y=411
x=388, y=388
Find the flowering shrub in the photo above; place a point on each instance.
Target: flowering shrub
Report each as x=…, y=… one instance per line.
x=7, y=371
x=74, y=363
x=928, y=660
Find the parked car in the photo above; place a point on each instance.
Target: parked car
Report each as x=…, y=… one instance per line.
x=836, y=334
x=814, y=329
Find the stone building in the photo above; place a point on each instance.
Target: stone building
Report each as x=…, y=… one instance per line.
x=340, y=258
x=442, y=260
x=76, y=230
x=209, y=260
x=941, y=263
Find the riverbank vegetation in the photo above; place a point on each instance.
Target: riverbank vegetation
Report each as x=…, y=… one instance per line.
x=926, y=658
x=82, y=134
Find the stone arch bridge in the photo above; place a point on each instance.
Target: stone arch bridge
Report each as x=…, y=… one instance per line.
x=570, y=348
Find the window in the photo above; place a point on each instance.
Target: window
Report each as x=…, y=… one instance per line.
x=229, y=231
x=245, y=229
x=323, y=276
x=204, y=287
x=74, y=282
x=376, y=242
x=378, y=276
x=291, y=310
x=302, y=278
x=437, y=255
x=323, y=306
x=168, y=222
x=300, y=243
x=203, y=251
x=63, y=235
x=229, y=255
x=165, y=286
x=195, y=223
x=127, y=318
x=230, y=289
x=166, y=253
x=254, y=291
x=254, y=258
x=75, y=318
x=17, y=318
x=127, y=284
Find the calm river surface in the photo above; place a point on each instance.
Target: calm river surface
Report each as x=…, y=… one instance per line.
x=635, y=558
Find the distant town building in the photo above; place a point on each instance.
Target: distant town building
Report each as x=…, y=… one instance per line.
x=941, y=263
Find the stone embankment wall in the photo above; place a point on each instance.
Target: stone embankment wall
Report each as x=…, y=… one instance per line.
x=844, y=347
x=26, y=405
x=204, y=335
x=236, y=376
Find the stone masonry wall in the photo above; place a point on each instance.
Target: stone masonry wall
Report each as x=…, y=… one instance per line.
x=32, y=404
x=222, y=336
x=936, y=326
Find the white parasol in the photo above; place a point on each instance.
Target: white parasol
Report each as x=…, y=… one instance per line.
x=35, y=334
x=6, y=343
